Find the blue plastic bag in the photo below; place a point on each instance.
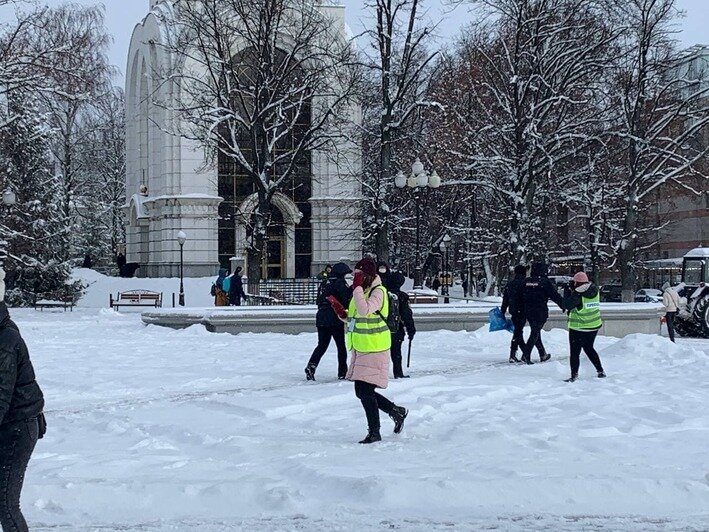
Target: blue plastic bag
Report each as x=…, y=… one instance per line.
x=498, y=321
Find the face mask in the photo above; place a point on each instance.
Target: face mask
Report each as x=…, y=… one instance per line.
x=382, y=270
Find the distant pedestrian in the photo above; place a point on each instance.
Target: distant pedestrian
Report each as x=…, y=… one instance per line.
x=21, y=420
x=436, y=284
x=405, y=326
x=370, y=340
x=538, y=290
x=670, y=299
x=583, y=304
x=236, y=288
x=221, y=298
x=329, y=325
x=325, y=273
x=384, y=272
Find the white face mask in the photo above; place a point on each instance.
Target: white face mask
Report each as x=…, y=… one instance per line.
x=382, y=270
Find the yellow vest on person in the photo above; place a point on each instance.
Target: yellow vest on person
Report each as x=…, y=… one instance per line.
x=589, y=317
x=369, y=334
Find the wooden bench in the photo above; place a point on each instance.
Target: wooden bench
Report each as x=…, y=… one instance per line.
x=46, y=302
x=422, y=299
x=136, y=298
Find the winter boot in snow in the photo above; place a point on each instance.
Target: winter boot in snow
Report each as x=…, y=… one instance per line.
x=310, y=372
x=514, y=359
x=527, y=361
x=398, y=414
x=544, y=357
x=372, y=436
x=601, y=374
x=572, y=378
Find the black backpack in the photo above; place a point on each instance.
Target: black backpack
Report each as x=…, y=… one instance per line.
x=393, y=320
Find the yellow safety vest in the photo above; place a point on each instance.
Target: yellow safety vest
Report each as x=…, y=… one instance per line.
x=368, y=334
x=589, y=317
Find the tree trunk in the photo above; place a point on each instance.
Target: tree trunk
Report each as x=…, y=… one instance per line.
x=628, y=246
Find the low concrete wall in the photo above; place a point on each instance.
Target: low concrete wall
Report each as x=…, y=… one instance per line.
x=618, y=319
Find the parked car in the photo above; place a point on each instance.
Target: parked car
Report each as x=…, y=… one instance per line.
x=648, y=295
x=612, y=292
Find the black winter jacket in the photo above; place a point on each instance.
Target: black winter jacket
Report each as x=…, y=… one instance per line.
x=406, y=316
x=20, y=395
x=335, y=285
x=512, y=296
x=236, y=290
x=538, y=290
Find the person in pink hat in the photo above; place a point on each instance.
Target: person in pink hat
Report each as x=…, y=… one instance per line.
x=369, y=339
x=583, y=305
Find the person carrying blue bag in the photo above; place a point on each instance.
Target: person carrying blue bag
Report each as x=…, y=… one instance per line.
x=498, y=321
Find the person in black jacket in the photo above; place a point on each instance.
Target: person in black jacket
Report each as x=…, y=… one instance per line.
x=406, y=322
x=538, y=290
x=21, y=419
x=236, y=288
x=512, y=301
x=328, y=324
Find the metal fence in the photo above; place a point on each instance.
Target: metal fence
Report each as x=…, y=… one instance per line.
x=284, y=292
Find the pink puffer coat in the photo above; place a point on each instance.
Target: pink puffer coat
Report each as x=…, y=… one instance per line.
x=369, y=367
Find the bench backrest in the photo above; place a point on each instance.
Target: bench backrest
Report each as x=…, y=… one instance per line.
x=139, y=295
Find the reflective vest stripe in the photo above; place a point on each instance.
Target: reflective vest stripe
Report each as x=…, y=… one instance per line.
x=589, y=317
x=369, y=334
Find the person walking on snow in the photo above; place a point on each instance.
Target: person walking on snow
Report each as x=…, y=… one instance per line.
x=406, y=322
x=221, y=298
x=512, y=300
x=21, y=420
x=328, y=323
x=582, y=302
x=670, y=299
x=369, y=338
x=538, y=290
x=236, y=288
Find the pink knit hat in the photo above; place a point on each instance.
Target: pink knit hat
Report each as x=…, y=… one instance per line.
x=581, y=278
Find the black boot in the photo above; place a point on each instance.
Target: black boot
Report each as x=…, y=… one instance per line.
x=527, y=361
x=398, y=414
x=601, y=374
x=514, y=359
x=310, y=372
x=372, y=436
x=544, y=357
x=571, y=379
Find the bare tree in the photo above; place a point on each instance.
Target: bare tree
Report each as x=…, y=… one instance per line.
x=661, y=114
x=397, y=66
x=74, y=82
x=265, y=83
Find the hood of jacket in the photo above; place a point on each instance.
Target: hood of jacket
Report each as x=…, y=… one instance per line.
x=222, y=273
x=539, y=269
x=395, y=281
x=587, y=290
x=340, y=270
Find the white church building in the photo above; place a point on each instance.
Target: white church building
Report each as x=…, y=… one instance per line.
x=170, y=188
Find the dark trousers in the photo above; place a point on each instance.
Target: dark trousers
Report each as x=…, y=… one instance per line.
x=17, y=441
x=670, y=319
x=325, y=334
x=517, y=335
x=534, y=340
x=579, y=340
x=397, y=339
x=372, y=403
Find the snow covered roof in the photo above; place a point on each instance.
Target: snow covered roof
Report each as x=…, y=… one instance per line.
x=698, y=253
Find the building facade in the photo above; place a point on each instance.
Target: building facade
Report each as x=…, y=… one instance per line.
x=171, y=187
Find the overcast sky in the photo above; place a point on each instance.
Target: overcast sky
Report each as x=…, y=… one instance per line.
x=123, y=15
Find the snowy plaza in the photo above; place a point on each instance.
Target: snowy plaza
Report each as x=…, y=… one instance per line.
x=155, y=429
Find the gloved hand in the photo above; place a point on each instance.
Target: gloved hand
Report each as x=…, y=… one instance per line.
x=358, y=279
x=412, y=333
x=337, y=307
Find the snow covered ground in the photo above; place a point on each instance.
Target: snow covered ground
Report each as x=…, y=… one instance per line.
x=155, y=429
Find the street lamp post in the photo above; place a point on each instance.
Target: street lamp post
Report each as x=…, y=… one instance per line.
x=447, y=277
x=181, y=239
x=417, y=181
x=8, y=199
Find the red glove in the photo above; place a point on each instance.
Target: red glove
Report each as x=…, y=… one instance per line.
x=337, y=307
x=358, y=279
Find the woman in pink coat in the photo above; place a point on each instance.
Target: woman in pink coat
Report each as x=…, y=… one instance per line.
x=369, y=338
